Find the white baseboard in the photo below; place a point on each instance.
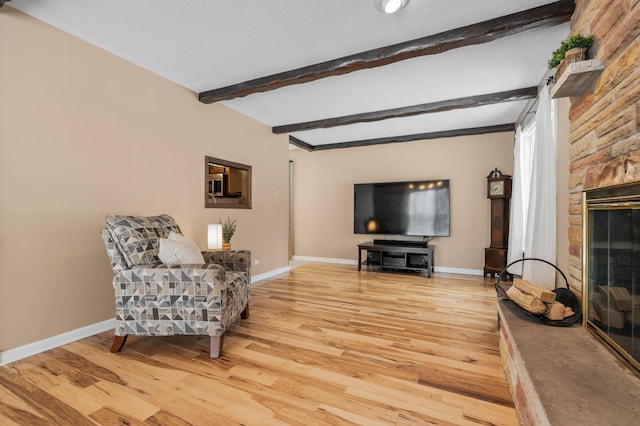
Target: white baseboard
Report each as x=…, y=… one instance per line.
x=40, y=346
x=256, y=278
x=461, y=271
x=325, y=260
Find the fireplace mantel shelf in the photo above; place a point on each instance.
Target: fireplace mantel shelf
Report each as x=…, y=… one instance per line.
x=577, y=78
x=564, y=374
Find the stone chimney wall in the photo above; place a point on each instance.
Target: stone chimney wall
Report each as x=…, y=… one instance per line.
x=605, y=120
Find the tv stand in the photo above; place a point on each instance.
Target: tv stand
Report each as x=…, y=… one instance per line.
x=397, y=256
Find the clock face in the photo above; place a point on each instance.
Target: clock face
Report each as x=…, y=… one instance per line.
x=496, y=188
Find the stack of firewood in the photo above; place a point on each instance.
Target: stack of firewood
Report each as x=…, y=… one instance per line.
x=537, y=300
x=613, y=306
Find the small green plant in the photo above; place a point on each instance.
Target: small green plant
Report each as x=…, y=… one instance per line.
x=577, y=40
x=228, y=229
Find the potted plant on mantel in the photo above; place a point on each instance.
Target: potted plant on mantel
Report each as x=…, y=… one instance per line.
x=573, y=49
x=228, y=229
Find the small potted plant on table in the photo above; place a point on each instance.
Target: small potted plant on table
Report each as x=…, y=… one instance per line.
x=228, y=229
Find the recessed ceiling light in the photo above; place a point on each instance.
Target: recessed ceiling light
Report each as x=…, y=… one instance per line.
x=390, y=6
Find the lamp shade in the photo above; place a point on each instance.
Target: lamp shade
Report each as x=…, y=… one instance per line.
x=214, y=236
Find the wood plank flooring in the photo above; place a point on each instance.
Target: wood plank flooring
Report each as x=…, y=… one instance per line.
x=325, y=344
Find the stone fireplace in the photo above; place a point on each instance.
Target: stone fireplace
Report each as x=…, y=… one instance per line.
x=604, y=181
x=564, y=375
x=612, y=268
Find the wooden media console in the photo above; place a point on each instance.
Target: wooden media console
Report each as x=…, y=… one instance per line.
x=397, y=255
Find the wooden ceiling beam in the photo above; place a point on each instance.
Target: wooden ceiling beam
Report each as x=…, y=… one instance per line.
x=545, y=16
x=510, y=127
x=301, y=144
x=440, y=106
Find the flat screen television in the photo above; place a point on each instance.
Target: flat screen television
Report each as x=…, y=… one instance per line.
x=419, y=208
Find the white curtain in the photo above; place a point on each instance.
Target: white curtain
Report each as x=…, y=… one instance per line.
x=535, y=193
x=520, y=194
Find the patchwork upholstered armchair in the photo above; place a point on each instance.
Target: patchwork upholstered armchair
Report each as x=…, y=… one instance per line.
x=154, y=299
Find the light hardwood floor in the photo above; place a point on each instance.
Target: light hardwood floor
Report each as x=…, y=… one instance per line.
x=324, y=344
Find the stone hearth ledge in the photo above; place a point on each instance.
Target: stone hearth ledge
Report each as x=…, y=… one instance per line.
x=564, y=375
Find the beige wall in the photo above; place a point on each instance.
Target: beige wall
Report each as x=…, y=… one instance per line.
x=84, y=134
x=323, y=192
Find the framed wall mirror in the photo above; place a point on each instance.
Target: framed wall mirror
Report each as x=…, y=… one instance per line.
x=227, y=184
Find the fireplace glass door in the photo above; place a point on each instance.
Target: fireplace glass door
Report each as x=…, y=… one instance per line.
x=613, y=269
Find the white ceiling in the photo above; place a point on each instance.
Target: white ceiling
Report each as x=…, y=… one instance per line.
x=208, y=44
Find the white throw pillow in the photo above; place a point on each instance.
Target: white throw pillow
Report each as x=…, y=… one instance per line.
x=178, y=250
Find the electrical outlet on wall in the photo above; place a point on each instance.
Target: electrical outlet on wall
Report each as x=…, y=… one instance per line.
x=256, y=262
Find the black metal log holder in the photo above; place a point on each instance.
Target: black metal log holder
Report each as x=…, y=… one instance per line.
x=563, y=295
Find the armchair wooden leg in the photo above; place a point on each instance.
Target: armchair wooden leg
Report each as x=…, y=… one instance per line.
x=118, y=343
x=215, y=346
x=245, y=314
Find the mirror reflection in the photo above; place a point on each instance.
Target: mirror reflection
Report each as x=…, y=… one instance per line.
x=227, y=184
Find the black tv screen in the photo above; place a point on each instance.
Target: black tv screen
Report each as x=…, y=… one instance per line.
x=419, y=208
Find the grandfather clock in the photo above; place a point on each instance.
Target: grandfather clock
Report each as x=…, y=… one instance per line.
x=499, y=192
